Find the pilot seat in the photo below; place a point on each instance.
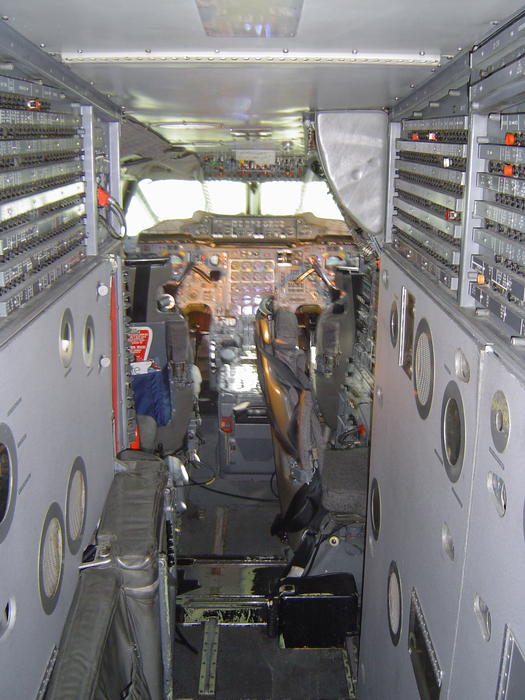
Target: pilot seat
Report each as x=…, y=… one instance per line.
x=166, y=382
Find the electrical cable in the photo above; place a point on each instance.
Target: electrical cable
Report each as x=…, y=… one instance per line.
x=208, y=481
x=106, y=201
x=272, y=482
x=315, y=552
x=233, y=495
x=109, y=228
x=182, y=640
x=117, y=210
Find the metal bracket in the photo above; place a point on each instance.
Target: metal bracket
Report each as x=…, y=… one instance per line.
x=210, y=650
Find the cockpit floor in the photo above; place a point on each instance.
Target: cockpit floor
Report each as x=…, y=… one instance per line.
x=251, y=666
x=228, y=564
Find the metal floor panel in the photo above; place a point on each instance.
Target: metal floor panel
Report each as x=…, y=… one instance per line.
x=251, y=666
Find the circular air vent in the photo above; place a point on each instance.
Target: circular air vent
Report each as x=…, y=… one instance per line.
x=65, y=341
x=51, y=558
x=500, y=421
x=88, y=342
x=452, y=431
x=76, y=505
x=423, y=368
x=394, y=603
x=8, y=479
x=5, y=480
x=394, y=324
x=7, y=617
x=375, y=508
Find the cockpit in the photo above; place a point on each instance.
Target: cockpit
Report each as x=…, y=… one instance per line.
x=258, y=332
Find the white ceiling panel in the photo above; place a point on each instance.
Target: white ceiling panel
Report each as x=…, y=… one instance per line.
x=136, y=52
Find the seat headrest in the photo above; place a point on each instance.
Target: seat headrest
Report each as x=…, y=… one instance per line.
x=286, y=328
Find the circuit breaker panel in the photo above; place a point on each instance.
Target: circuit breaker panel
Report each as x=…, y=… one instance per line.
x=499, y=286
x=455, y=230
x=430, y=195
x=61, y=346
x=42, y=188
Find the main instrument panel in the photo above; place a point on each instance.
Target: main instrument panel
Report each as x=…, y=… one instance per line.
x=238, y=260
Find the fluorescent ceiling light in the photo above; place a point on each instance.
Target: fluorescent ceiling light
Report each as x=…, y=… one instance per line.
x=188, y=125
x=260, y=19
x=249, y=57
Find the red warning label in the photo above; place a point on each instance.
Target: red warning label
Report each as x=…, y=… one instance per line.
x=140, y=338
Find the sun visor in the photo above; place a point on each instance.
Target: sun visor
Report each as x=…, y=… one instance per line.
x=353, y=151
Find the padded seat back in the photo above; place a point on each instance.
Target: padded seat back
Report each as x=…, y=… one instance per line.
x=287, y=389
x=98, y=655
x=335, y=336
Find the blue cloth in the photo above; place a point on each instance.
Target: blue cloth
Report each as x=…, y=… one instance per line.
x=152, y=395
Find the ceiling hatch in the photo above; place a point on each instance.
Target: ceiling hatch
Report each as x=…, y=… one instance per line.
x=250, y=18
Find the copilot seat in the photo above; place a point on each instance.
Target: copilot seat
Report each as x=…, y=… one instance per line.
x=296, y=431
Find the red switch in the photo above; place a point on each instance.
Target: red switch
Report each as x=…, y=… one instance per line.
x=227, y=424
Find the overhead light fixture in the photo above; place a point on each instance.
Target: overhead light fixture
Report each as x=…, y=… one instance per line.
x=256, y=57
x=187, y=125
x=250, y=134
x=250, y=18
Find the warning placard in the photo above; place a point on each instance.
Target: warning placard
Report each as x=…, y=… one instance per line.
x=140, y=338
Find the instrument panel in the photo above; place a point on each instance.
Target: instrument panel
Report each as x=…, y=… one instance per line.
x=232, y=276
x=233, y=281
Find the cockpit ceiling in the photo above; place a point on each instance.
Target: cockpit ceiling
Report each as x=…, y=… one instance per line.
x=157, y=61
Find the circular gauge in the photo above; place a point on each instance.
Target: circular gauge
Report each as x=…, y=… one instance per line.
x=213, y=260
x=177, y=264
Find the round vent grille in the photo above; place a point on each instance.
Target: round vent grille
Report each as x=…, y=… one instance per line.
x=394, y=603
x=452, y=431
x=8, y=479
x=51, y=558
x=88, y=342
x=394, y=324
x=375, y=508
x=65, y=340
x=5, y=480
x=76, y=505
x=500, y=421
x=423, y=368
